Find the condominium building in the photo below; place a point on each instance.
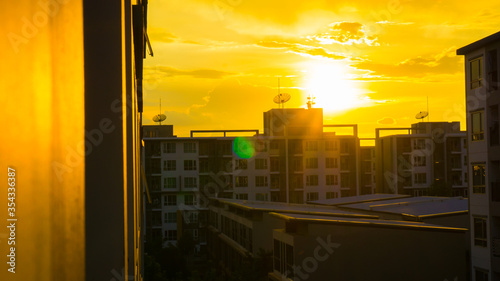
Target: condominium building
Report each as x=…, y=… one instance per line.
x=483, y=136
x=430, y=159
x=296, y=159
x=311, y=242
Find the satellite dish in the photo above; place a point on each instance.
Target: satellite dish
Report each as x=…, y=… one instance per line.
x=159, y=118
x=281, y=98
x=422, y=115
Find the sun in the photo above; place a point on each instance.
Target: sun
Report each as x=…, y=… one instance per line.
x=327, y=81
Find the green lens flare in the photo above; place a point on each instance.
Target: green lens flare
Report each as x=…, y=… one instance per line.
x=243, y=147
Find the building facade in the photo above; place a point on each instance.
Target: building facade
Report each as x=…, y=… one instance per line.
x=483, y=137
x=77, y=66
x=430, y=159
x=297, y=159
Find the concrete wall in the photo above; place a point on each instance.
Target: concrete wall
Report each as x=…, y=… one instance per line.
x=366, y=253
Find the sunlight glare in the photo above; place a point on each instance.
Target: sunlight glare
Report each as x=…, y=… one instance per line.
x=327, y=81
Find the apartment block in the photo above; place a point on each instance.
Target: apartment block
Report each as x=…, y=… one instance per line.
x=310, y=242
x=430, y=158
x=483, y=137
x=297, y=159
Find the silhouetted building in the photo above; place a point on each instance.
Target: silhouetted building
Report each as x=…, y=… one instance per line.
x=429, y=160
x=483, y=137
x=296, y=160
x=311, y=242
x=76, y=68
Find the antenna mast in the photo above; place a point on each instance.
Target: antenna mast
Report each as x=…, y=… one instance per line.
x=427, y=108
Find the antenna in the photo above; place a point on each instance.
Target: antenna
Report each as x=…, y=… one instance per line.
x=310, y=101
x=427, y=108
x=159, y=117
x=281, y=98
x=422, y=115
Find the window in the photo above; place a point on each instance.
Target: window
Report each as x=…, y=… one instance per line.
x=311, y=163
x=476, y=73
x=331, y=195
x=275, y=181
x=260, y=146
x=261, y=197
x=190, y=182
x=480, y=274
x=345, y=181
x=169, y=147
x=420, y=178
x=311, y=146
x=192, y=217
x=204, y=166
x=275, y=164
x=170, y=235
x=189, y=147
x=241, y=164
x=189, y=165
x=189, y=200
x=297, y=164
x=169, y=183
x=419, y=161
x=261, y=181
x=242, y=181
x=492, y=65
x=169, y=165
x=478, y=178
x=332, y=179
x=312, y=196
x=331, y=163
x=170, y=200
x=344, y=147
x=344, y=163
x=283, y=258
x=480, y=232
x=170, y=217
x=242, y=196
x=418, y=144
x=477, y=122
x=260, y=164
x=330, y=145
x=312, y=180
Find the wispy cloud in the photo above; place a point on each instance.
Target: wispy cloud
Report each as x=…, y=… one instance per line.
x=197, y=73
x=445, y=62
x=303, y=50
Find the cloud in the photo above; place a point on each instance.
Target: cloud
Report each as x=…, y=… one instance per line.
x=445, y=62
x=345, y=33
x=161, y=35
x=197, y=73
x=394, y=23
x=386, y=121
x=303, y=50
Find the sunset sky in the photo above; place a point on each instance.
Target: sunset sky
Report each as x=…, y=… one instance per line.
x=216, y=62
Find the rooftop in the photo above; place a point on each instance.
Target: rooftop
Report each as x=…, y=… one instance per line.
x=479, y=44
x=364, y=222
x=291, y=208
x=357, y=199
x=416, y=206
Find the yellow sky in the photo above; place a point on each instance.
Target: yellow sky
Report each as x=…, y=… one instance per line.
x=216, y=62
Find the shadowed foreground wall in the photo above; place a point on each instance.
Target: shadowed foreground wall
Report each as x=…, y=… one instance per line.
x=69, y=127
